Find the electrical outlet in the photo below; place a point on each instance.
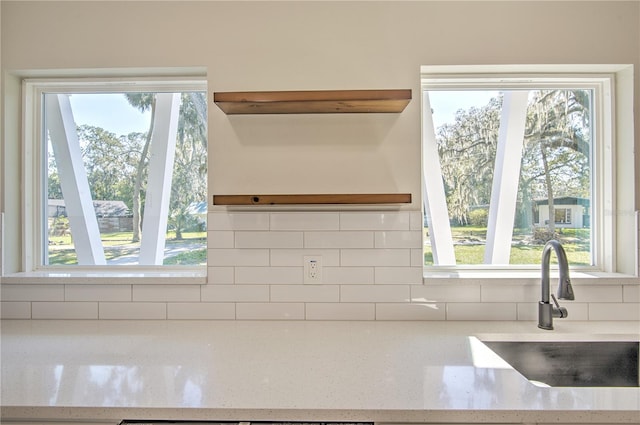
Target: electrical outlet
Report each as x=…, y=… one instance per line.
x=313, y=269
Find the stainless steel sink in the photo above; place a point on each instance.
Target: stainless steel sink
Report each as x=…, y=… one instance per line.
x=573, y=363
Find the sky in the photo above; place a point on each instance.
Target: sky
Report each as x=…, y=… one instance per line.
x=110, y=111
x=445, y=103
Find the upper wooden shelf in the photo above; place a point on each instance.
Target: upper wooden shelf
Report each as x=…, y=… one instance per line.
x=313, y=102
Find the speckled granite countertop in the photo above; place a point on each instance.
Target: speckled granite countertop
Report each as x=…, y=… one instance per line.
x=105, y=371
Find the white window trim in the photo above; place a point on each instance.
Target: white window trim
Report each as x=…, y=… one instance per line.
x=33, y=178
x=615, y=82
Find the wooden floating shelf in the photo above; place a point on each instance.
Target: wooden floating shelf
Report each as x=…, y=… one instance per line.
x=333, y=199
x=313, y=102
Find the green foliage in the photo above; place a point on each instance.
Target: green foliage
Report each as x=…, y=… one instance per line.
x=479, y=217
x=555, y=159
x=117, y=168
x=190, y=166
x=110, y=162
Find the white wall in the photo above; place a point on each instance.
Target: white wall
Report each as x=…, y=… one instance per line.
x=314, y=45
x=299, y=46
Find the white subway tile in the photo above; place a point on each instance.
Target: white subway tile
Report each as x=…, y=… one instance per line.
x=268, y=239
x=410, y=311
x=238, y=221
x=445, y=293
x=417, y=257
x=305, y=221
x=614, y=311
x=374, y=293
x=133, y=311
x=1, y=242
x=15, y=310
x=348, y=275
x=375, y=257
x=201, y=311
x=269, y=275
x=416, y=221
x=64, y=310
x=595, y=293
x=343, y=239
x=398, y=239
x=481, y=311
x=340, y=311
x=166, y=293
x=235, y=293
x=631, y=293
x=510, y=293
x=374, y=220
x=220, y=239
x=220, y=275
x=97, y=292
x=395, y=275
x=22, y=292
x=527, y=311
x=577, y=311
x=270, y=311
x=238, y=257
x=295, y=257
x=305, y=293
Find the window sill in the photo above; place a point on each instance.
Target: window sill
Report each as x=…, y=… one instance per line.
x=521, y=276
x=192, y=276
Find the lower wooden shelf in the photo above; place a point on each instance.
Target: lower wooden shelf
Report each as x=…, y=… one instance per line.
x=303, y=199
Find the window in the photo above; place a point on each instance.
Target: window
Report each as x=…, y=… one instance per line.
x=503, y=152
x=563, y=216
x=119, y=173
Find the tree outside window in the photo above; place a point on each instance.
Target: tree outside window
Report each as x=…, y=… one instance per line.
x=116, y=162
x=555, y=161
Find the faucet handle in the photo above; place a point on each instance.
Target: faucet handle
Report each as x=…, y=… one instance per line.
x=558, y=311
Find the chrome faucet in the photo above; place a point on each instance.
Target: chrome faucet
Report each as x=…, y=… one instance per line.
x=547, y=311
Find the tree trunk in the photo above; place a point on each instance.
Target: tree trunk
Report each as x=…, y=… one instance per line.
x=549, y=184
x=137, y=186
x=526, y=208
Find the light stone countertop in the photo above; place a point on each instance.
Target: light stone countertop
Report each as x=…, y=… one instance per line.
x=105, y=371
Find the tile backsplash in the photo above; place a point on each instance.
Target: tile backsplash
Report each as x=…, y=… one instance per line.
x=371, y=270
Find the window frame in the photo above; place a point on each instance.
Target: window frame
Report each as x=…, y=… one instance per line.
x=613, y=133
x=34, y=175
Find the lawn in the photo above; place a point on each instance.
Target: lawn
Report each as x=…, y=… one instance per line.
x=469, y=246
x=118, y=244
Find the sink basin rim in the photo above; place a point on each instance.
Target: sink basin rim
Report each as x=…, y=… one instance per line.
x=575, y=363
x=544, y=335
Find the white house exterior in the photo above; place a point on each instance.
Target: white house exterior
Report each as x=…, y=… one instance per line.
x=569, y=212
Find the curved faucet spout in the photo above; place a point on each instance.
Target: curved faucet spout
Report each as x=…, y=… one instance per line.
x=546, y=311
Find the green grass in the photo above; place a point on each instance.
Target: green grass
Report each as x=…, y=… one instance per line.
x=118, y=244
x=474, y=254
x=469, y=246
x=197, y=256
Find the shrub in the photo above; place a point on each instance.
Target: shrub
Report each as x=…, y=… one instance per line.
x=479, y=217
x=543, y=235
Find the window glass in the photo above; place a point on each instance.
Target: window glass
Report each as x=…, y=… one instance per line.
x=125, y=177
x=511, y=158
